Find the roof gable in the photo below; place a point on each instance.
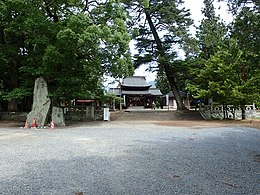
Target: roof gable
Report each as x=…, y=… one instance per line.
x=155, y=91
x=135, y=81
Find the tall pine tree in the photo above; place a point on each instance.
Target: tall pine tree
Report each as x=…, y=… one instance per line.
x=210, y=36
x=227, y=70
x=162, y=29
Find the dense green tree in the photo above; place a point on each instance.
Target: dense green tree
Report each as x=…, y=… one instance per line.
x=211, y=32
x=15, y=25
x=230, y=75
x=162, y=83
x=245, y=31
x=162, y=29
x=72, y=44
x=229, y=79
x=210, y=36
x=182, y=75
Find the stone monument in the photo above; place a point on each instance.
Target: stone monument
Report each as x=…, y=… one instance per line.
x=57, y=116
x=41, y=104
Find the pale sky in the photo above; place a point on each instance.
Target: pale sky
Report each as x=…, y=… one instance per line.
x=195, y=7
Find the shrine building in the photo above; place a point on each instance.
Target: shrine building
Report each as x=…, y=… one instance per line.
x=136, y=92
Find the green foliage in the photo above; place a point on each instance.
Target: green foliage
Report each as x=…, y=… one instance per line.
x=145, y=3
x=211, y=32
x=171, y=23
x=227, y=68
x=65, y=42
x=161, y=33
x=17, y=94
x=227, y=78
x=109, y=98
x=210, y=37
x=162, y=83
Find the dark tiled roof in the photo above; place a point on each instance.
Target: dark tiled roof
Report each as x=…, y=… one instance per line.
x=155, y=91
x=135, y=81
x=135, y=85
x=115, y=91
x=152, y=91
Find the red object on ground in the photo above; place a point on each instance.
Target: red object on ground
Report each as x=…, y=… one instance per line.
x=52, y=124
x=26, y=126
x=34, y=123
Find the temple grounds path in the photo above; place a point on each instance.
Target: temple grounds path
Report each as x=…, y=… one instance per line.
x=131, y=157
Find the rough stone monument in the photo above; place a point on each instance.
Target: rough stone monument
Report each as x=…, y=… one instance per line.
x=57, y=116
x=41, y=104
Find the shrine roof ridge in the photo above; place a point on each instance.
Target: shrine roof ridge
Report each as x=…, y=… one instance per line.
x=135, y=81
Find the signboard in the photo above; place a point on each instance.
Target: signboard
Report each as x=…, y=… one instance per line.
x=106, y=114
x=124, y=101
x=167, y=100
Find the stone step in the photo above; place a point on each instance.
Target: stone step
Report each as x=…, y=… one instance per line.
x=151, y=115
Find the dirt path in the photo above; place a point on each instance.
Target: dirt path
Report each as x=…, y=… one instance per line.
x=186, y=123
x=202, y=124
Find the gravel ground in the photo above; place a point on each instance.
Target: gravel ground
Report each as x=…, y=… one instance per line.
x=130, y=158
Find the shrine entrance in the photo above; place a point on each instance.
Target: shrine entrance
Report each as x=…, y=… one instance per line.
x=139, y=101
x=136, y=92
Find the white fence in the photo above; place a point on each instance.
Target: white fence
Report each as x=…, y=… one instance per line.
x=231, y=112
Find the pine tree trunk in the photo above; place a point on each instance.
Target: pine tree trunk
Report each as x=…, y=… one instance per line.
x=165, y=64
x=176, y=92
x=243, y=112
x=11, y=82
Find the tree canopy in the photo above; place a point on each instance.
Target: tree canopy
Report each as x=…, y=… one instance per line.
x=230, y=73
x=72, y=44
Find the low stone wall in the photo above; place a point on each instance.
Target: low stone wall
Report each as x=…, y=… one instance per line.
x=69, y=116
x=83, y=116
x=13, y=116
